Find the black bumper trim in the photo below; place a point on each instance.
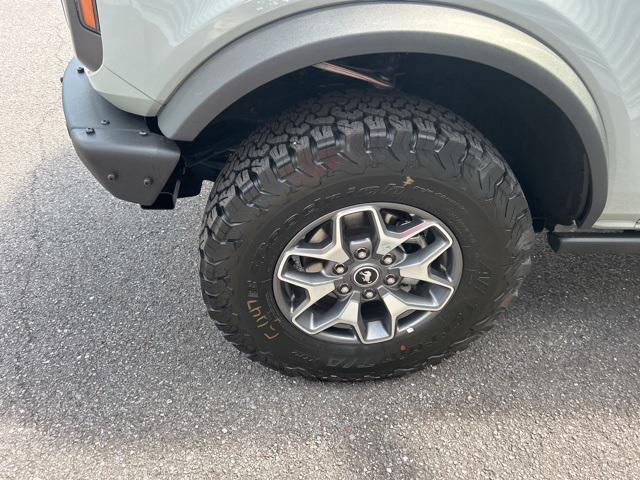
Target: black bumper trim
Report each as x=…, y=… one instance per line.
x=117, y=147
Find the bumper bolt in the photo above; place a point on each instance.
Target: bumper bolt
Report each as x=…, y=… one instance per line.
x=390, y=280
x=388, y=259
x=104, y=122
x=80, y=70
x=369, y=294
x=142, y=133
x=344, y=289
x=89, y=131
x=111, y=177
x=148, y=181
x=361, y=253
x=340, y=269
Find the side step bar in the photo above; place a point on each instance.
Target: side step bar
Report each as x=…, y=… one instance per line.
x=582, y=243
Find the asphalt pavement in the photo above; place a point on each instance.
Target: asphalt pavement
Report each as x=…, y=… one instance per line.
x=110, y=367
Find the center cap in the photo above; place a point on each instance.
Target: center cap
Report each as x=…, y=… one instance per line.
x=366, y=276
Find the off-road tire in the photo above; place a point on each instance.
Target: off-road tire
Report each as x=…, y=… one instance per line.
x=351, y=148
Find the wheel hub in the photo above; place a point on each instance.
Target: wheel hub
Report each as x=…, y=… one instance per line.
x=367, y=273
x=366, y=276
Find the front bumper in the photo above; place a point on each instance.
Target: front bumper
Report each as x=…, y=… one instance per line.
x=131, y=162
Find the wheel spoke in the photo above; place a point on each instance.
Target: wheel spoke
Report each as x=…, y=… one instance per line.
x=417, y=264
x=332, y=252
x=441, y=281
x=345, y=311
x=317, y=286
x=399, y=302
x=389, y=240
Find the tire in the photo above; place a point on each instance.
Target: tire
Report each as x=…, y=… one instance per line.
x=345, y=149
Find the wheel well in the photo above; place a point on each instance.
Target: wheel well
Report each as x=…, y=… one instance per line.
x=536, y=138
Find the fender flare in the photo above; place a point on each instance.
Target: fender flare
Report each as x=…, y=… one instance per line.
x=358, y=29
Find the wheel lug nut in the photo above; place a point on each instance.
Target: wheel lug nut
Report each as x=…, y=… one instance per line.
x=361, y=253
x=388, y=259
x=340, y=269
x=369, y=294
x=390, y=279
x=344, y=289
